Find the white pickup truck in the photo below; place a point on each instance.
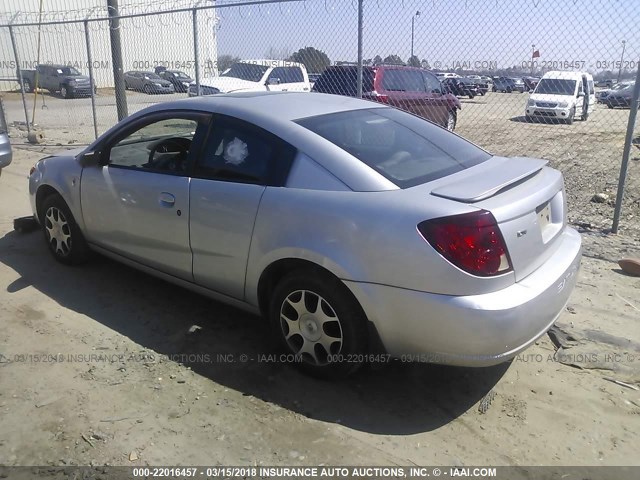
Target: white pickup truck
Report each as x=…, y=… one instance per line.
x=256, y=76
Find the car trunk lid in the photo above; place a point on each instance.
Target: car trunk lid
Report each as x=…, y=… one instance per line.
x=525, y=197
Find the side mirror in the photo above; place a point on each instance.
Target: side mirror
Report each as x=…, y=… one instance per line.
x=273, y=81
x=90, y=159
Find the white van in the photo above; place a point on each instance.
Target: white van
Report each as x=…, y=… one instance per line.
x=256, y=76
x=562, y=95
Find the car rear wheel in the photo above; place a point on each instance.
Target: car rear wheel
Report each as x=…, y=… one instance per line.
x=452, y=119
x=494, y=89
x=61, y=232
x=509, y=90
x=318, y=322
x=147, y=89
x=572, y=114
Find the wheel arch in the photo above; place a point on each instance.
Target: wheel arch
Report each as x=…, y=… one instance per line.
x=42, y=193
x=278, y=269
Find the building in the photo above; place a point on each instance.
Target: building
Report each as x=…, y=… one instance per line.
x=160, y=39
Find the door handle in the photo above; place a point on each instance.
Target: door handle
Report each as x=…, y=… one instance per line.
x=166, y=200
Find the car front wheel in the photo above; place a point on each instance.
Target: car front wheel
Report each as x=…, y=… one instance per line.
x=452, y=119
x=319, y=322
x=61, y=232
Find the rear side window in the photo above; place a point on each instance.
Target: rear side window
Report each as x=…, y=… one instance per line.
x=402, y=81
x=432, y=83
x=344, y=81
x=403, y=148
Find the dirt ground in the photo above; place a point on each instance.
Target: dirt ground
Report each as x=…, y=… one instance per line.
x=104, y=365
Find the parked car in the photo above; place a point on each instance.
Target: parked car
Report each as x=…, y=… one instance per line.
x=461, y=88
x=67, y=81
x=607, y=83
x=351, y=226
x=408, y=88
x=180, y=80
x=530, y=83
x=602, y=94
x=621, y=97
x=257, y=76
x=562, y=95
x=508, y=85
x=481, y=84
x=6, y=153
x=442, y=75
x=147, y=82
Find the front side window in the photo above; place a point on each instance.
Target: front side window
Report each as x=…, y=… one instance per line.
x=160, y=146
x=405, y=149
x=246, y=71
x=432, y=83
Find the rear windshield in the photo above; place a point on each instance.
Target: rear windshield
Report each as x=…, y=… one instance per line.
x=344, y=81
x=403, y=148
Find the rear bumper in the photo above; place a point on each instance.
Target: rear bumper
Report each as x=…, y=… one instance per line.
x=478, y=330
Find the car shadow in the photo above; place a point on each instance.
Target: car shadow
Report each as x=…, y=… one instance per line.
x=543, y=121
x=230, y=347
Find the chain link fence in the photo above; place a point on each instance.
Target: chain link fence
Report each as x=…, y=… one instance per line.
x=518, y=77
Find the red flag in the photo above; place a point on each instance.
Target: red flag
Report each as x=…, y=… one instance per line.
x=536, y=54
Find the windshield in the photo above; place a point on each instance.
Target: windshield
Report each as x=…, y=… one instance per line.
x=69, y=71
x=403, y=148
x=181, y=75
x=151, y=76
x=246, y=71
x=556, y=86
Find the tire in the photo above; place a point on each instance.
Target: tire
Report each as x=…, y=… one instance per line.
x=147, y=89
x=471, y=96
x=584, y=117
x=27, y=87
x=610, y=105
x=126, y=86
x=509, y=90
x=571, y=116
x=481, y=93
x=452, y=120
x=61, y=232
x=494, y=89
x=299, y=296
x=65, y=93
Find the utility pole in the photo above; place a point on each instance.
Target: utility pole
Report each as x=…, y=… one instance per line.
x=116, y=58
x=413, y=20
x=621, y=60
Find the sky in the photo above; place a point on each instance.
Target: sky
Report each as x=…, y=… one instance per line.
x=479, y=34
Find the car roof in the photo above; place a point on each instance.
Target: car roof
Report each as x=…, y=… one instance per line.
x=260, y=106
x=561, y=74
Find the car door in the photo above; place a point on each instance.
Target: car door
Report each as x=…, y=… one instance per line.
x=136, y=201
x=276, y=81
x=294, y=80
x=228, y=181
x=46, y=77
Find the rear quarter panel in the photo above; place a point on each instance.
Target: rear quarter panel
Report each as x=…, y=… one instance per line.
x=359, y=236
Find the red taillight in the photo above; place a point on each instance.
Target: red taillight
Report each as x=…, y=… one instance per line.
x=471, y=241
x=33, y=169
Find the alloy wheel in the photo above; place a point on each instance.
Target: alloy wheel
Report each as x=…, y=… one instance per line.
x=310, y=326
x=58, y=232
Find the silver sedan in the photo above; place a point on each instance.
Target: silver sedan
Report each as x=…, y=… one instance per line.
x=357, y=230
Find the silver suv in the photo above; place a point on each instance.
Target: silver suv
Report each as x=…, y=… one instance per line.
x=5, y=146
